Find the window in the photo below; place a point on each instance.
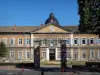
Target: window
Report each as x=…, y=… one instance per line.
x=20, y=55
x=28, y=55
x=44, y=55
x=75, y=54
x=12, y=54
x=20, y=41
x=68, y=54
x=59, y=40
x=98, y=41
x=99, y=54
x=27, y=41
x=12, y=41
x=91, y=41
x=75, y=40
x=67, y=40
x=83, y=54
x=4, y=40
x=44, y=41
x=51, y=41
x=92, y=54
x=36, y=41
x=83, y=41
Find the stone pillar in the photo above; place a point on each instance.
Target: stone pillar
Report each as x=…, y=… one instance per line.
x=71, y=36
x=71, y=45
x=56, y=53
x=71, y=54
x=79, y=54
x=48, y=54
x=32, y=51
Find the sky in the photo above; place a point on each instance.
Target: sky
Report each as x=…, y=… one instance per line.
x=35, y=12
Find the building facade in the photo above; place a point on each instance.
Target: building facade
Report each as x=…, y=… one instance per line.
x=21, y=42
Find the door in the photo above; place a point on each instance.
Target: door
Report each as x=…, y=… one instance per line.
x=52, y=54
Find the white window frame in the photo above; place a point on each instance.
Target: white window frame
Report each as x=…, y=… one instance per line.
x=59, y=41
x=10, y=55
x=67, y=38
x=74, y=39
x=82, y=54
x=18, y=41
x=18, y=55
x=75, y=53
x=98, y=54
x=91, y=54
x=67, y=54
x=97, y=41
x=4, y=39
x=27, y=41
x=26, y=55
x=85, y=40
x=13, y=41
x=93, y=40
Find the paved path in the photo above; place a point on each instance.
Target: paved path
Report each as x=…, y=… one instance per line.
x=32, y=72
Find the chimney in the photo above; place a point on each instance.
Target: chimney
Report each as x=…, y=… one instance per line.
x=14, y=28
x=41, y=24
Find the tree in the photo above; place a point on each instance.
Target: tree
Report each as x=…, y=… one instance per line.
x=3, y=50
x=89, y=11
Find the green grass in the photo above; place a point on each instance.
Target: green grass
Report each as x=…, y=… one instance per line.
x=58, y=63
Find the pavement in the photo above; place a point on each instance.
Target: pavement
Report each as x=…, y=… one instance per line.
x=32, y=72
x=12, y=70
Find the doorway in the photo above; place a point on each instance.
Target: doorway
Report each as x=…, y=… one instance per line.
x=52, y=54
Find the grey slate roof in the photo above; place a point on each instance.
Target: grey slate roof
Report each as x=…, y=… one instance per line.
x=31, y=28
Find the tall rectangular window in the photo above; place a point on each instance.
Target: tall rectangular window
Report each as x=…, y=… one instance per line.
x=58, y=40
x=68, y=54
x=12, y=41
x=92, y=54
x=67, y=40
x=28, y=55
x=12, y=54
x=75, y=54
x=20, y=41
x=99, y=54
x=91, y=41
x=27, y=41
x=75, y=40
x=83, y=54
x=98, y=41
x=20, y=55
x=83, y=40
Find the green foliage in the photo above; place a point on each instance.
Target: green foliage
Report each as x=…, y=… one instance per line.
x=89, y=11
x=3, y=50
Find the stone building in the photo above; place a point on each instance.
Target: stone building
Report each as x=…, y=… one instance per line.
x=22, y=40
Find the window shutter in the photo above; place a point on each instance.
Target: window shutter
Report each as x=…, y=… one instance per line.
x=95, y=41
x=86, y=40
x=79, y=41
x=25, y=41
x=69, y=41
x=73, y=41
x=13, y=41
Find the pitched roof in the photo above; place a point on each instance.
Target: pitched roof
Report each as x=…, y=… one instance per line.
x=31, y=28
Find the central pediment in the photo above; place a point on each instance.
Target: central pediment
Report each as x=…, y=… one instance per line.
x=51, y=29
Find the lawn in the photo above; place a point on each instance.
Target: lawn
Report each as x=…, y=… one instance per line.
x=58, y=63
